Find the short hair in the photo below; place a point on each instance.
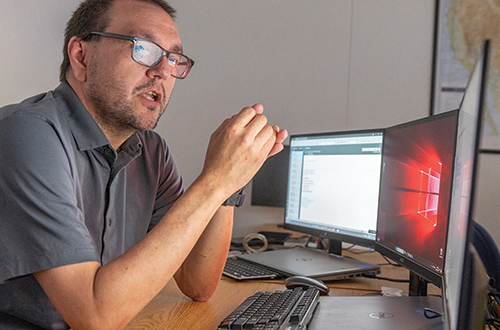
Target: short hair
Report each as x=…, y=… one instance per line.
x=92, y=16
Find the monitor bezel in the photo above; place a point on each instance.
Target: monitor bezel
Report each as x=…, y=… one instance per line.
x=465, y=297
x=328, y=234
x=417, y=268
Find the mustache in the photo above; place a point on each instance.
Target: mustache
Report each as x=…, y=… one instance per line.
x=148, y=85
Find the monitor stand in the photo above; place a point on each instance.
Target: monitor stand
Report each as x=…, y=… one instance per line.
x=335, y=246
x=418, y=285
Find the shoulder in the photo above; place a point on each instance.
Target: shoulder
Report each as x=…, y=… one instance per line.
x=150, y=138
x=42, y=109
x=29, y=123
x=34, y=133
x=156, y=154
x=153, y=144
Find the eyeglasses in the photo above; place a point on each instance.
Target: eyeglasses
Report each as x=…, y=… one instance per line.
x=149, y=54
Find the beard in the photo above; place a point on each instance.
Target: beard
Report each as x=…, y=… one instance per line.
x=114, y=110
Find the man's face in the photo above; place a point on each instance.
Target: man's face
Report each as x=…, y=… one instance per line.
x=125, y=95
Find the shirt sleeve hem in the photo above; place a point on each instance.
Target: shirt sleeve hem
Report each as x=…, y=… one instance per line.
x=27, y=266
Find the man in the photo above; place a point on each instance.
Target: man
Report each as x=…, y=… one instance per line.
x=93, y=217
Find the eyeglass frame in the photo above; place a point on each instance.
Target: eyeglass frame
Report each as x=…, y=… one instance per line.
x=134, y=40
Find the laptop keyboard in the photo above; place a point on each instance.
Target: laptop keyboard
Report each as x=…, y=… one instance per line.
x=289, y=309
x=239, y=269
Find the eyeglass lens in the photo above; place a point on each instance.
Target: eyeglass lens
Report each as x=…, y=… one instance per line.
x=149, y=54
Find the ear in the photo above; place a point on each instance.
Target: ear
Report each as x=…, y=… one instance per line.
x=78, y=55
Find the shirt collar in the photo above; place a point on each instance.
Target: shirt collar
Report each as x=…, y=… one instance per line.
x=88, y=135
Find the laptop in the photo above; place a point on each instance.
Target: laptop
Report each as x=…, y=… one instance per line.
x=312, y=263
x=377, y=313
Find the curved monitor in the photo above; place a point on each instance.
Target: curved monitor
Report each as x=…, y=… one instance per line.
x=333, y=185
x=415, y=193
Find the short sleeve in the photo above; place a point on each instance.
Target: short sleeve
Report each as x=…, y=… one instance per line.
x=41, y=226
x=170, y=187
x=162, y=169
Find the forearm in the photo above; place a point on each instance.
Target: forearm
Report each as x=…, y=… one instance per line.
x=107, y=297
x=201, y=271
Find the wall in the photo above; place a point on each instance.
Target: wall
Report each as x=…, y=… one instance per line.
x=315, y=65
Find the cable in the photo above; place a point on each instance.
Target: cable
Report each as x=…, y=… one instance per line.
x=368, y=275
x=260, y=237
x=390, y=262
x=370, y=250
x=493, y=309
x=350, y=247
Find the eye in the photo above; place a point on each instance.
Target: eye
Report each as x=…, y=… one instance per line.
x=140, y=51
x=173, y=60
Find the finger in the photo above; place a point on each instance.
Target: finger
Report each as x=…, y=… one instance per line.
x=247, y=114
x=281, y=136
x=266, y=138
x=278, y=146
x=257, y=124
x=244, y=117
x=259, y=108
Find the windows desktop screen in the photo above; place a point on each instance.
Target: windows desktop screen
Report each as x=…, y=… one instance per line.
x=415, y=189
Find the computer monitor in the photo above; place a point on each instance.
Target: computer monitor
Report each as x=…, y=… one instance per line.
x=333, y=186
x=270, y=183
x=414, y=195
x=458, y=286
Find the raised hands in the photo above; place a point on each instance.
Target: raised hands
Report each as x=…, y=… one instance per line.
x=239, y=147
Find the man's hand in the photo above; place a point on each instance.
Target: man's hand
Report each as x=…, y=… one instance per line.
x=239, y=147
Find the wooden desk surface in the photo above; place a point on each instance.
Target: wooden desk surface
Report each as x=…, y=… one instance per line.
x=170, y=309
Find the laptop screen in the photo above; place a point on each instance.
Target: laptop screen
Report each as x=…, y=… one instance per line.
x=415, y=193
x=333, y=185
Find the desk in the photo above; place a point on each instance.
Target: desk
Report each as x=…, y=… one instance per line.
x=170, y=309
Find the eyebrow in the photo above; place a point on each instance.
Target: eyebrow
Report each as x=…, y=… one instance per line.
x=175, y=48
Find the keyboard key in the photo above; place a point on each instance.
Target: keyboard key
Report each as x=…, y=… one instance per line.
x=303, y=305
x=269, y=310
x=243, y=270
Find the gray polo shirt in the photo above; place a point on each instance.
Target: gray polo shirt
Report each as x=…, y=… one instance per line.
x=66, y=196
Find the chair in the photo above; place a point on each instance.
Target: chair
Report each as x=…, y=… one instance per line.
x=488, y=252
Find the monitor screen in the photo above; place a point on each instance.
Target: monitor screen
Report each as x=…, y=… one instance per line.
x=469, y=124
x=333, y=185
x=414, y=193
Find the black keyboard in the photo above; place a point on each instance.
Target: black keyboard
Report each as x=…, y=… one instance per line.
x=243, y=270
x=289, y=309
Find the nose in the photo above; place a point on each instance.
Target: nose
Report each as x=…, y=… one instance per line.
x=162, y=70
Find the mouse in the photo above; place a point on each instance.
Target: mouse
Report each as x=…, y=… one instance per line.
x=306, y=282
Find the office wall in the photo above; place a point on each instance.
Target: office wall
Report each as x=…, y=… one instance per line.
x=315, y=65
